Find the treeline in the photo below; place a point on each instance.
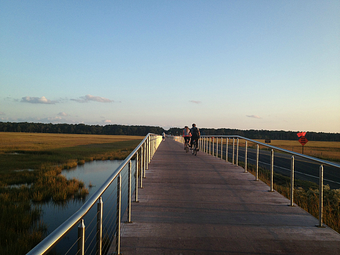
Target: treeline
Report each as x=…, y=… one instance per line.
x=264, y=134
x=144, y=130
x=78, y=129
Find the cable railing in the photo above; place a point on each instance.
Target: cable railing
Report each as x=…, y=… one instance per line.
x=218, y=146
x=103, y=225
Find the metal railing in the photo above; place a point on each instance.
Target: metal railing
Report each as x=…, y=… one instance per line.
x=213, y=144
x=103, y=226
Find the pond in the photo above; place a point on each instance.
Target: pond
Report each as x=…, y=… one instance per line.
x=93, y=173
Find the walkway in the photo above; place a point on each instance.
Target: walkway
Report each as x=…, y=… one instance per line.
x=203, y=205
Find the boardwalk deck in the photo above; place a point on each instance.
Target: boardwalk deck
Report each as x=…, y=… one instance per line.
x=203, y=205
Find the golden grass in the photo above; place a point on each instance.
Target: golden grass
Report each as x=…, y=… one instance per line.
x=36, y=151
x=11, y=142
x=318, y=149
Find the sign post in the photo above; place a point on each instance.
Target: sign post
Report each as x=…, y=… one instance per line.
x=303, y=140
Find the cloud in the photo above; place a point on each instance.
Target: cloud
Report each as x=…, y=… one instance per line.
x=107, y=121
x=254, y=116
x=195, y=102
x=37, y=100
x=62, y=114
x=88, y=98
x=2, y=113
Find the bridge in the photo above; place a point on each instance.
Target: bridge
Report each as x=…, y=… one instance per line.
x=167, y=201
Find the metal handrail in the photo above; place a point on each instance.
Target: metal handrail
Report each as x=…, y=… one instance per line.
x=52, y=239
x=320, y=161
x=206, y=143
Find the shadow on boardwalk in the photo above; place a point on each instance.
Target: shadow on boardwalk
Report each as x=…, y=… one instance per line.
x=203, y=205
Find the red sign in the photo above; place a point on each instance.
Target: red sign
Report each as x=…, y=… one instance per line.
x=303, y=140
x=300, y=134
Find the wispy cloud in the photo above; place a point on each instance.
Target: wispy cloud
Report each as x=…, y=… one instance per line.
x=107, y=121
x=195, y=102
x=88, y=98
x=254, y=116
x=62, y=114
x=2, y=113
x=37, y=100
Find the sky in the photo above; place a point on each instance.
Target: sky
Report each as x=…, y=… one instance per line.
x=244, y=64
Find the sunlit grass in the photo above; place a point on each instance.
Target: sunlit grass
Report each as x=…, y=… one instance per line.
x=319, y=149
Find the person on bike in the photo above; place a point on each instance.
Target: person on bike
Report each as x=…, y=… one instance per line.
x=186, y=135
x=195, y=135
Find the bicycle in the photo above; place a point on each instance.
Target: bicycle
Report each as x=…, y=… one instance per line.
x=186, y=146
x=194, y=147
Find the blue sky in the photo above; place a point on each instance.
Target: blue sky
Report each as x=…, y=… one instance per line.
x=242, y=64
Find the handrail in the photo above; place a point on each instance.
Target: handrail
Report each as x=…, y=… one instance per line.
x=208, y=147
x=52, y=239
x=323, y=162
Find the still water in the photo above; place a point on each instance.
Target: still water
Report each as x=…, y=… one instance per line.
x=94, y=173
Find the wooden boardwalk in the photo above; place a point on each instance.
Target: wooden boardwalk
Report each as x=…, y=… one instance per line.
x=203, y=205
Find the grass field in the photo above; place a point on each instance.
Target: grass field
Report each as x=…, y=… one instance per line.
x=20, y=151
x=35, y=161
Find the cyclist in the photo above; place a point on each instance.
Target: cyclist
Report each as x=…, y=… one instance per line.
x=195, y=132
x=186, y=135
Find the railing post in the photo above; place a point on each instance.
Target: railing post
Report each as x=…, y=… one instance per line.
x=237, y=146
x=213, y=146
x=129, y=193
x=292, y=181
x=100, y=226
x=217, y=147
x=136, y=179
x=207, y=145
x=81, y=238
x=147, y=153
x=246, y=158
x=203, y=144
x=226, y=149
x=221, y=148
x=321, y=196
x=257, y=162
x=272, y=171
x=233, y=160
x=208, y=141
x=145, y=158
x=119, y=211
x=141, y=165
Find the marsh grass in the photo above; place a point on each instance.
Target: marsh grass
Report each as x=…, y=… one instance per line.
x=20, y=225
x=306, y=195
x=40, y=159
x=319, y=149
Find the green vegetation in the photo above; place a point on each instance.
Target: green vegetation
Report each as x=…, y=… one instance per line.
x=306, y=195
x=30, y=167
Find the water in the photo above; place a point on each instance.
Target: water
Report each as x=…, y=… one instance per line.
x=94, y=173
